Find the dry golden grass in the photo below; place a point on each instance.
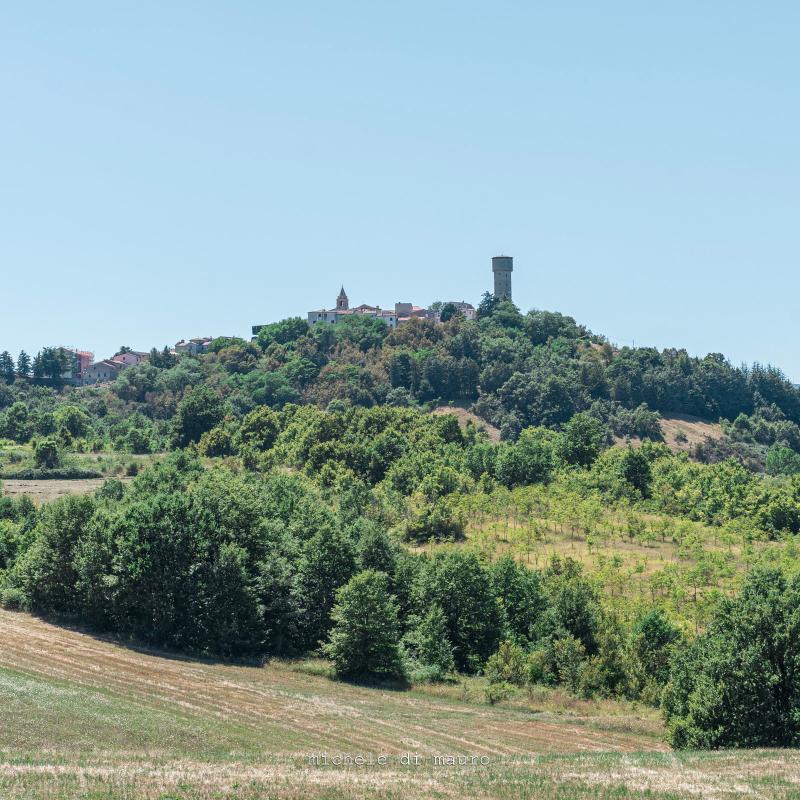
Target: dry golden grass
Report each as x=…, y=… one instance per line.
x=695, y=430
x=83, y=716
x=293, y=710
x=464, y=416
x=45, y=491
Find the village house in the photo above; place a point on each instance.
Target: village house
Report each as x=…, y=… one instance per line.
x=402, y=312
x=79, y=362
x=101, y=371
x=109, y=368
x=467, y=310
x=130, y=358
x=193, y=346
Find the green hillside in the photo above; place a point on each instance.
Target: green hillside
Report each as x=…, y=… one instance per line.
x=295, y=497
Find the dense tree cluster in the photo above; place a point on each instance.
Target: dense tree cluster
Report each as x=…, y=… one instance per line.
x=239, y=565
x=536, y=369
x=738, y=683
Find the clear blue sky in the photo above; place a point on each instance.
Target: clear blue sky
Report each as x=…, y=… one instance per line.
x=174, y=169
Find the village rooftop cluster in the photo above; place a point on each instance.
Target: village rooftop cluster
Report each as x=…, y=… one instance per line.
x=86, y=371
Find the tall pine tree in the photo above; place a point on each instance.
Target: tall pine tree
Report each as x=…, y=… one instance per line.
x=23, y=365
x=7, y=367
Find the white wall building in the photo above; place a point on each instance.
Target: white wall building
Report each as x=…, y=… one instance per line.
x=330, y=316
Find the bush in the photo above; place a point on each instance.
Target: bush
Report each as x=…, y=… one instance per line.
x=440, y=519
x=13, y=599
x=259, y=429
x=497, y=692
x=782, y=461
x=135, y=440
x=216, y=442
x=46, y=454
x=62, y=473
x=112, y=489
x=426, y=673
x=508, y=665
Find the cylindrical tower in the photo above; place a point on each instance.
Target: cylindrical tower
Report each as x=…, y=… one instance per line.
x=502, y=267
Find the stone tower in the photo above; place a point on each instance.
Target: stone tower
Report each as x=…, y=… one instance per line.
x=342, y=303
x=502, y=267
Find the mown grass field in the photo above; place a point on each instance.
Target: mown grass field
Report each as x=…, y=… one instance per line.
x=85, y=717
x=43, y=490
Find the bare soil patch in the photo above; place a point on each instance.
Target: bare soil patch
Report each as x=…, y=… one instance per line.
x=694, y=429
x=45, y=491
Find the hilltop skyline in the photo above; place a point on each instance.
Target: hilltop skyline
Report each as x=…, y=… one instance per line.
x=190, y=170
x=244, y=330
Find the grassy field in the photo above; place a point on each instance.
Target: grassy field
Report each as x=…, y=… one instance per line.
x=86, y=717
x=43, y=490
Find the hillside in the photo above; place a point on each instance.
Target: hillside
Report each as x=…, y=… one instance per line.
x=441, y=506
x=682, y=432
x=85, y=715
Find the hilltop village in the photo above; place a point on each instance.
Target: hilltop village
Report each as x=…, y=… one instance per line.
x=502, y=267
x=84, y=370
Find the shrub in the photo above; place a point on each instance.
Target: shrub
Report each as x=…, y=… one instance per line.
x=13, y=599
x=440, y=519
x=497, y=692
x=216, y=442
x=782, y=461
x=61, y=473
x=46, y=454
x=112, y=489
x=508, y=665
x=259, y=429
